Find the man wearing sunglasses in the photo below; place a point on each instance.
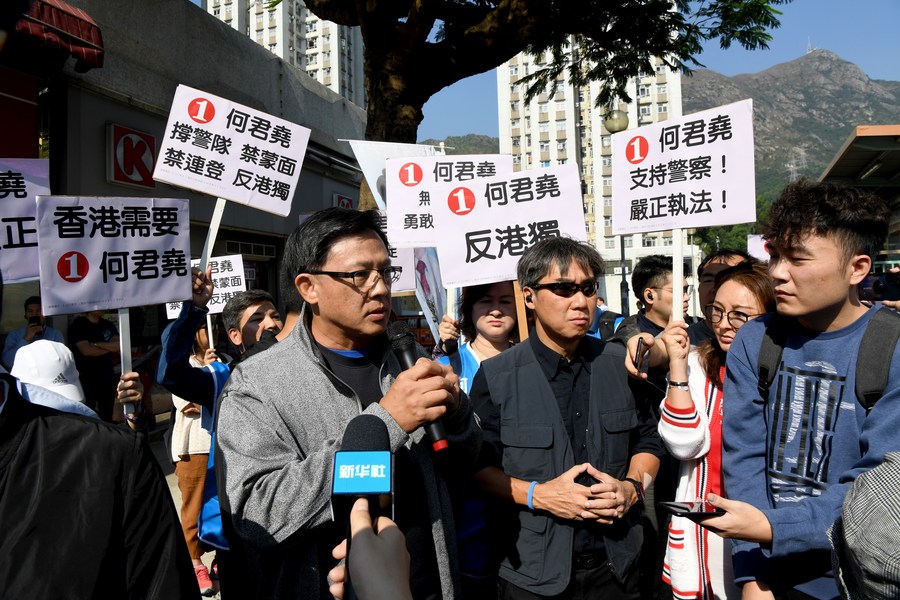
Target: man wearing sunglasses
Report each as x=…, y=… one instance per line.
x=284, y=411
x=568, y=444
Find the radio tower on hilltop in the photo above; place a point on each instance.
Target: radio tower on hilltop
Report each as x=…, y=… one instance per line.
x=797, y=165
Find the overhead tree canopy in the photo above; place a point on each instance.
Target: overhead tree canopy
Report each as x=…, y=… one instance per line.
x=415, y=48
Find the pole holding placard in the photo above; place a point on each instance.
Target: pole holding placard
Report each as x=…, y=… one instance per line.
x=125, y=349
x=677, y=274
x=213, y=232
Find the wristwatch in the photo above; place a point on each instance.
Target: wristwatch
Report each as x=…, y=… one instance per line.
x=637, y=487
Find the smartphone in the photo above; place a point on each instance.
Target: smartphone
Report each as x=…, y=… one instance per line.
x=640, y=354
x=695, y=511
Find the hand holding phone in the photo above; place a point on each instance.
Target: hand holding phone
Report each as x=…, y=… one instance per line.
x=640, y=355
x=695, y=511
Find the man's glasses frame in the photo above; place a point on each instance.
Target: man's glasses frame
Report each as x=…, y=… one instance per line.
x=567, y=289
x=364, y=279
x=688, y=289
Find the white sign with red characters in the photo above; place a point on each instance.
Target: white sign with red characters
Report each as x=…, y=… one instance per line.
x=21, y=181
x=485, y=225
x=224, y=149
x=696, y=171
x=228, y=281
x=106, y=253
x=410, y=185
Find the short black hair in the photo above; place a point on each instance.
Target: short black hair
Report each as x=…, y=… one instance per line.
x=538, y=260
x=858, y=219
x=307, y=247
x=31, y=300
x=237, y=304
x=650, y=272
x=722, y=255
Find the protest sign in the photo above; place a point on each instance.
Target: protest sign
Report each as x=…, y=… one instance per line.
x=224, y=149
x=696, y=171
x=371, y=157
x=21, y=181
x=104, y=253
x=430, y=290
x=412, y=181
x=506, y=215
x=400, y=257
x=228, y=280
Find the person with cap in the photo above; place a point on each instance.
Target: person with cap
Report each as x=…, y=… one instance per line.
x=35, y=328
x=865, y=539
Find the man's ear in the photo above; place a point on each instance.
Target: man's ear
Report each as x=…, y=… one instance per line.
x=647, y=297
x=235, y=336
x=528, y=297
x=859, y=267
x=306, y=287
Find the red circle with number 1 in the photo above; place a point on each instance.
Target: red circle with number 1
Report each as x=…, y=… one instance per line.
x=72, y=266
x=201, y=110
x=637, y=149
x=461, y=201
x=410, y=174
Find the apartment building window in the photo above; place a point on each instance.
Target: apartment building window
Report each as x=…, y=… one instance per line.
x=560, y=87
x=513, y=89
x=314, y=73
x=643, y=90
x=561, y=161
x=648, y=242
x=543, y=108
x=610, y=244
x=326, y=55
x=517, y=160
x=560, y=106
x=514, y=106
x=217, y=11
x=311, y=26
x=312, y=42
x=629, y=242
x=605, y=141
x=667, y=241
x=661, y=88
x=607, y=200
x=259, y=21
x=516, y=141
x=514, y=123
x=326, y=71
x=272, y=47
x=545, y=146
x=545, y=163
x=606, y=161
x=645, y=111
x=528, y=140
x=544, y=127
x=561, y=146
x=561, y=125
x=662, y=108
x=607, y=182
x=312, y=57
x=660, y=69
x=607, y=221
x=513, y=71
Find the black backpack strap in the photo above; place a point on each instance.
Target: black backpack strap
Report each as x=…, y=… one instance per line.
x=876, y=351
x=770, y=349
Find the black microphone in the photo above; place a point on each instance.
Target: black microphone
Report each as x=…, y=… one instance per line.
x=363, y=467
x=403, y=343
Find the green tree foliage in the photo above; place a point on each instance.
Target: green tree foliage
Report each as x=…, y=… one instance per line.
x=711, y=239
x=415, y=48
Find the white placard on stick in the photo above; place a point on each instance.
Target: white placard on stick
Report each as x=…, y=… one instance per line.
x=225, y=149
x=371, y=156
x=107, y=253
x=228, y=280
x=22, y=180
x=695, y=171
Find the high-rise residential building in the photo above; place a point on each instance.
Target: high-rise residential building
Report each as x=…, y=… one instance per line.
x=331, y=54
x=563, y=126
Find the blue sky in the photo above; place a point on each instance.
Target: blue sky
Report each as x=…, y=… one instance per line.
x=864, y=32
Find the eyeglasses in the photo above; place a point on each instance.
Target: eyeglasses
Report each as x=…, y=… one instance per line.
x=688, y=289
x=567, y=289
x=735, y=318
x=365, y=278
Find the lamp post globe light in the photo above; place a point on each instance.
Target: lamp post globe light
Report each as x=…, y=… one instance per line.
x=617, y=120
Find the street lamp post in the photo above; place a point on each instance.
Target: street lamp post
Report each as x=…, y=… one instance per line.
x=616, y=121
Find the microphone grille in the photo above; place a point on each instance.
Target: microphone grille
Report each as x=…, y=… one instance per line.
x=400, y=335
x=365, y=433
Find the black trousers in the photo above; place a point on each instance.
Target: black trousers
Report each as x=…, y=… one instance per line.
x=592, y=579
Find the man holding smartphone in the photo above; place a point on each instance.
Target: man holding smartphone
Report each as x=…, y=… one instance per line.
x=35, y=329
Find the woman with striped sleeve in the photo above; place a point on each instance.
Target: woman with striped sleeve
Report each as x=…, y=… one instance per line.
x=698, y=562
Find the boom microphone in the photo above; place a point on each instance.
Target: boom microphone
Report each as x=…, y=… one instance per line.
x=403, y=343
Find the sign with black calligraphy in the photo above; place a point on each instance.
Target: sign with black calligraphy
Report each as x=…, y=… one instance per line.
x=107, y=253
x=411, y=183
x=371, y=156
x=695, y=171
x=504, y=216
x=224, y=149
x=22, y=180
x=228, y=280
x=400, y=257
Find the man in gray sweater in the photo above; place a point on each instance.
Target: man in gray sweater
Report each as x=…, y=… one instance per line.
x=283, y=414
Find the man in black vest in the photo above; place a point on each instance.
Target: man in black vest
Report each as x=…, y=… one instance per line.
x=568, y=442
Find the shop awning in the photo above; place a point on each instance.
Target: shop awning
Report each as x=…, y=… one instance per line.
x=55, y=25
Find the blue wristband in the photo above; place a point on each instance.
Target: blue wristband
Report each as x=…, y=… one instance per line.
x=531, y=494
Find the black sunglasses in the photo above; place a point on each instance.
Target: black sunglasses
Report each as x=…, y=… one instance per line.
x=567, y=289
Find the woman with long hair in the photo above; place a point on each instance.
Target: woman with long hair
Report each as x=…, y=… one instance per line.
x=698, y=562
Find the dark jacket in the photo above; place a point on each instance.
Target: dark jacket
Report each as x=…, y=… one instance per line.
x=536, y=447
x=84, y=510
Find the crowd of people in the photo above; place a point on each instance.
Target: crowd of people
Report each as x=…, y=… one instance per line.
x=765, y=427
